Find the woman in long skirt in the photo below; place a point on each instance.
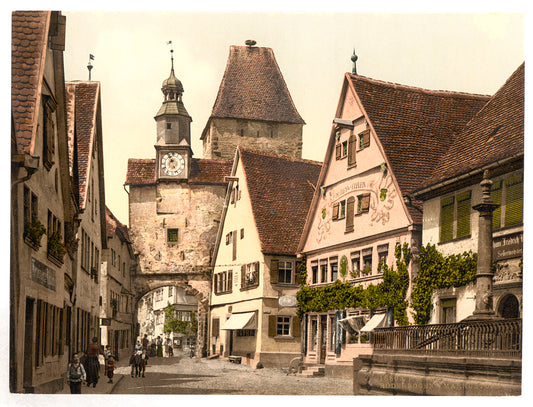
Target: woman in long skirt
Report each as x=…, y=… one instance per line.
x=92, y=365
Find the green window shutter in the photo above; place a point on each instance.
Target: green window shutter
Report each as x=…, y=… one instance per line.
x=463, y=214
x=352, y=148
x=496, y=197
x=296, y=327
x=335, y=214
x=350, y=212
x=446, y=219
x=338, y=150
x=274, y=270
x=272, y=325
x=514, y=202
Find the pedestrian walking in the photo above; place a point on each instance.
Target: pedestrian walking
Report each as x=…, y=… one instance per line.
x=159, y=347
x=145, y=342
x=134, y=363
x=142, y=363
x=92, y=365
x=110, y=368
x=75, y=375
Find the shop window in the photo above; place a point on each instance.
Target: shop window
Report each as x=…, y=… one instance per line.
x=363, y=203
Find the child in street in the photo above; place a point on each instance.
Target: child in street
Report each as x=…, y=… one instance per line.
x=110, y=368
x=75, y=375
x=142, y=363
x=134, y=363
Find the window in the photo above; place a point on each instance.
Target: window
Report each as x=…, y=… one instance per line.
x=172, y=235
x=249, y=275
x=242, y=132
x=339, y=210
x=245, y=332
x=449, y=311
x=367, y=261
x=228, y=238
x=31, y=209
x=383, y=252
x=341, y=150
x=334, y=266
x=356, y=264
x=352, y=147
x=234, y=253
x=363, y=203
x=350, y=212
x=509, y=193
x=332, y=333
x=169, y=126
x=170, y=291
x=315, y=273
x=49, y=107
x=364, y=139
x=242, y=233
x=455, y=216
x=283, y=326
x=323, y=270
x=223, y=282
x=285, y=272
x=124, y=269
x=159, y=295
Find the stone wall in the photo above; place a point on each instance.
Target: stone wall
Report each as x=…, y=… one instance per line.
x=224, y=135
x=401, y=374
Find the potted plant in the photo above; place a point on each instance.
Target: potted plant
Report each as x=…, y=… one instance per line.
x=56, y=249
x=34, y=231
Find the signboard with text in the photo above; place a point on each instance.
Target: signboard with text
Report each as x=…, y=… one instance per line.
x=507, y=247
x=43, y=275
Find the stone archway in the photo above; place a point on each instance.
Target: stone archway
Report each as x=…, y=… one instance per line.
x=509, y=307
x=195, y=285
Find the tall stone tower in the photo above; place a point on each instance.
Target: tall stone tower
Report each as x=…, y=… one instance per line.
x=253, y=108
x=175, y=203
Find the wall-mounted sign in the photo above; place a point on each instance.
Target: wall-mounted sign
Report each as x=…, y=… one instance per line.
x=43, y=275
x=507, y=247
x=288, y=301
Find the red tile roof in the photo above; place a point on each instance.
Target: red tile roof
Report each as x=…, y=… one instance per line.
x=414, y=125
x=28, y=46
x=253, y=88
x=495, y=133
x=114, y=226
x=82, y=107
x=203, y=171
x=281, y=189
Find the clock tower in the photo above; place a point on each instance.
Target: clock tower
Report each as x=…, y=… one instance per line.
x=173, y=146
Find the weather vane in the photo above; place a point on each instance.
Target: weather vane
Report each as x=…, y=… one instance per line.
x=89, y=65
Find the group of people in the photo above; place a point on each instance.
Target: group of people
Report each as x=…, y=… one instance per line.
x=86, y=367
x=89, y=370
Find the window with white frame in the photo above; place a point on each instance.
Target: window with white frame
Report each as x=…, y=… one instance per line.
x=285, y=272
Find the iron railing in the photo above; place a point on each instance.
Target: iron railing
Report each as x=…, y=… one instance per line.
x=465, y=338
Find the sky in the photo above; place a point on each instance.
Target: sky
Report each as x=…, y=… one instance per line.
x=467, y=52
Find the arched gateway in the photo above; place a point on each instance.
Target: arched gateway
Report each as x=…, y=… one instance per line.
x=175, y=203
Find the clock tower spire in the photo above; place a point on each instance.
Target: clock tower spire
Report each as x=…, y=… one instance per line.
x=173, y=145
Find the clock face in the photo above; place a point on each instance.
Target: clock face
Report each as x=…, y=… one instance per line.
x=172, y=163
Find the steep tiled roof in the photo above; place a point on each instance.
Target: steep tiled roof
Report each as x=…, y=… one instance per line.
x=114, y=226
x=29, y=40
x=281, y=190
x=495, y=133
x=414, y=125
x=203, y=171
x=253, y=88
x=82, y=102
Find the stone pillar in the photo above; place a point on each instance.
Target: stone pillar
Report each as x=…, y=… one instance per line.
x=484, y=273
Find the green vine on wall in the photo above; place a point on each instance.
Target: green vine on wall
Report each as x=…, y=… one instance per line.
x=341, y=295
x=437, y=271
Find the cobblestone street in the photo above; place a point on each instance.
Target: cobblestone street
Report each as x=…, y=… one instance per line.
x=183, y=375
